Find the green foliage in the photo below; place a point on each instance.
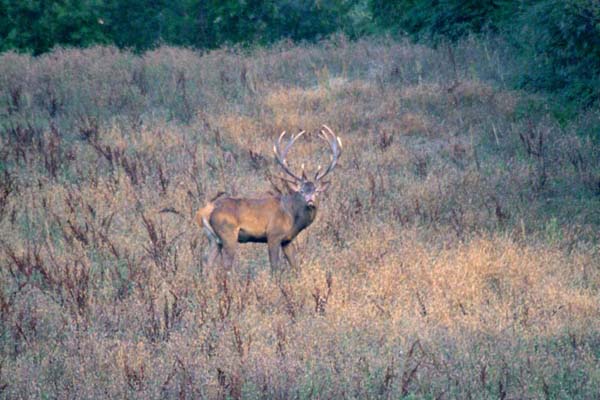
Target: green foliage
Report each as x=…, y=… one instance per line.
x=439, y=20
x=146, y=23
x=253, y=21
x=265, y=21
x=38, y=25
x=560, y=44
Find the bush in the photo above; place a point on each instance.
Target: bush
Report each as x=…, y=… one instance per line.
x=557, y=42
x=38, y=25
x=439, y=20
x=560, y=46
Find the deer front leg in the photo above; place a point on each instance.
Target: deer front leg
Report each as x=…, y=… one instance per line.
x=290, y=254
x=274, y=245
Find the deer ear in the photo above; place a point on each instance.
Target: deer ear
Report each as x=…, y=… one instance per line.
x=323, y=186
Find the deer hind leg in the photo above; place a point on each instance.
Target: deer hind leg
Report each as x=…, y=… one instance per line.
x=213, y=252
x=229, y=252
x=214, y=241
x=228, y=235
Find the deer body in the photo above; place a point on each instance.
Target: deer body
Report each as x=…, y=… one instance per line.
x=274, y=219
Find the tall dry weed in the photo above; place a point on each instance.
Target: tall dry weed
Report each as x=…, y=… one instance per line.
x=455, y=256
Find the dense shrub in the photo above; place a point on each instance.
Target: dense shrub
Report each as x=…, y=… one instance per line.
x=557, y=42
x=438, y=20
x=37, y=25
x=560, y=44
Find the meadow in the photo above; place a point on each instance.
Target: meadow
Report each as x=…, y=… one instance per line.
x=454, y=256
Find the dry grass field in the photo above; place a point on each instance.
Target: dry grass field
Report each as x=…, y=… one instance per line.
x=456, y=254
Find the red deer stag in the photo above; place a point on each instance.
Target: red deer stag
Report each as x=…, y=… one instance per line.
x=273, y=219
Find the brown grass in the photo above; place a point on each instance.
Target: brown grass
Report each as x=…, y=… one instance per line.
x=455, y=256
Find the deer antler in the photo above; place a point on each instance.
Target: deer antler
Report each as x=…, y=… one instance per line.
x=335, y=143
x=280, y=155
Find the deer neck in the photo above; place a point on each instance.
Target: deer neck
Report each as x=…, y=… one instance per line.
x=302, y=214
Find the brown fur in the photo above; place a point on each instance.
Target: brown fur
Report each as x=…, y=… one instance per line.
x=273, y=219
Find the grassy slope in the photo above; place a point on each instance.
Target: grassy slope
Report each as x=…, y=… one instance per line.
x=455, y=255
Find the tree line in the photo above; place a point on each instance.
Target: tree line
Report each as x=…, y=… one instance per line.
x=38, y=25
x=558, y=40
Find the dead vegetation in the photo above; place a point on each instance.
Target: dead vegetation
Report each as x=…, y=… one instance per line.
x=455, y=255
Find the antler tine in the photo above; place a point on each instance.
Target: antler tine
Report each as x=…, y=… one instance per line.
x=284, y=178
x=337, y=138
x=318, y=170
x=335, y=143
x=303, y=172
x=280, y=155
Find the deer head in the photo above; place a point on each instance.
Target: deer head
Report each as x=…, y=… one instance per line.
x=307, y=188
